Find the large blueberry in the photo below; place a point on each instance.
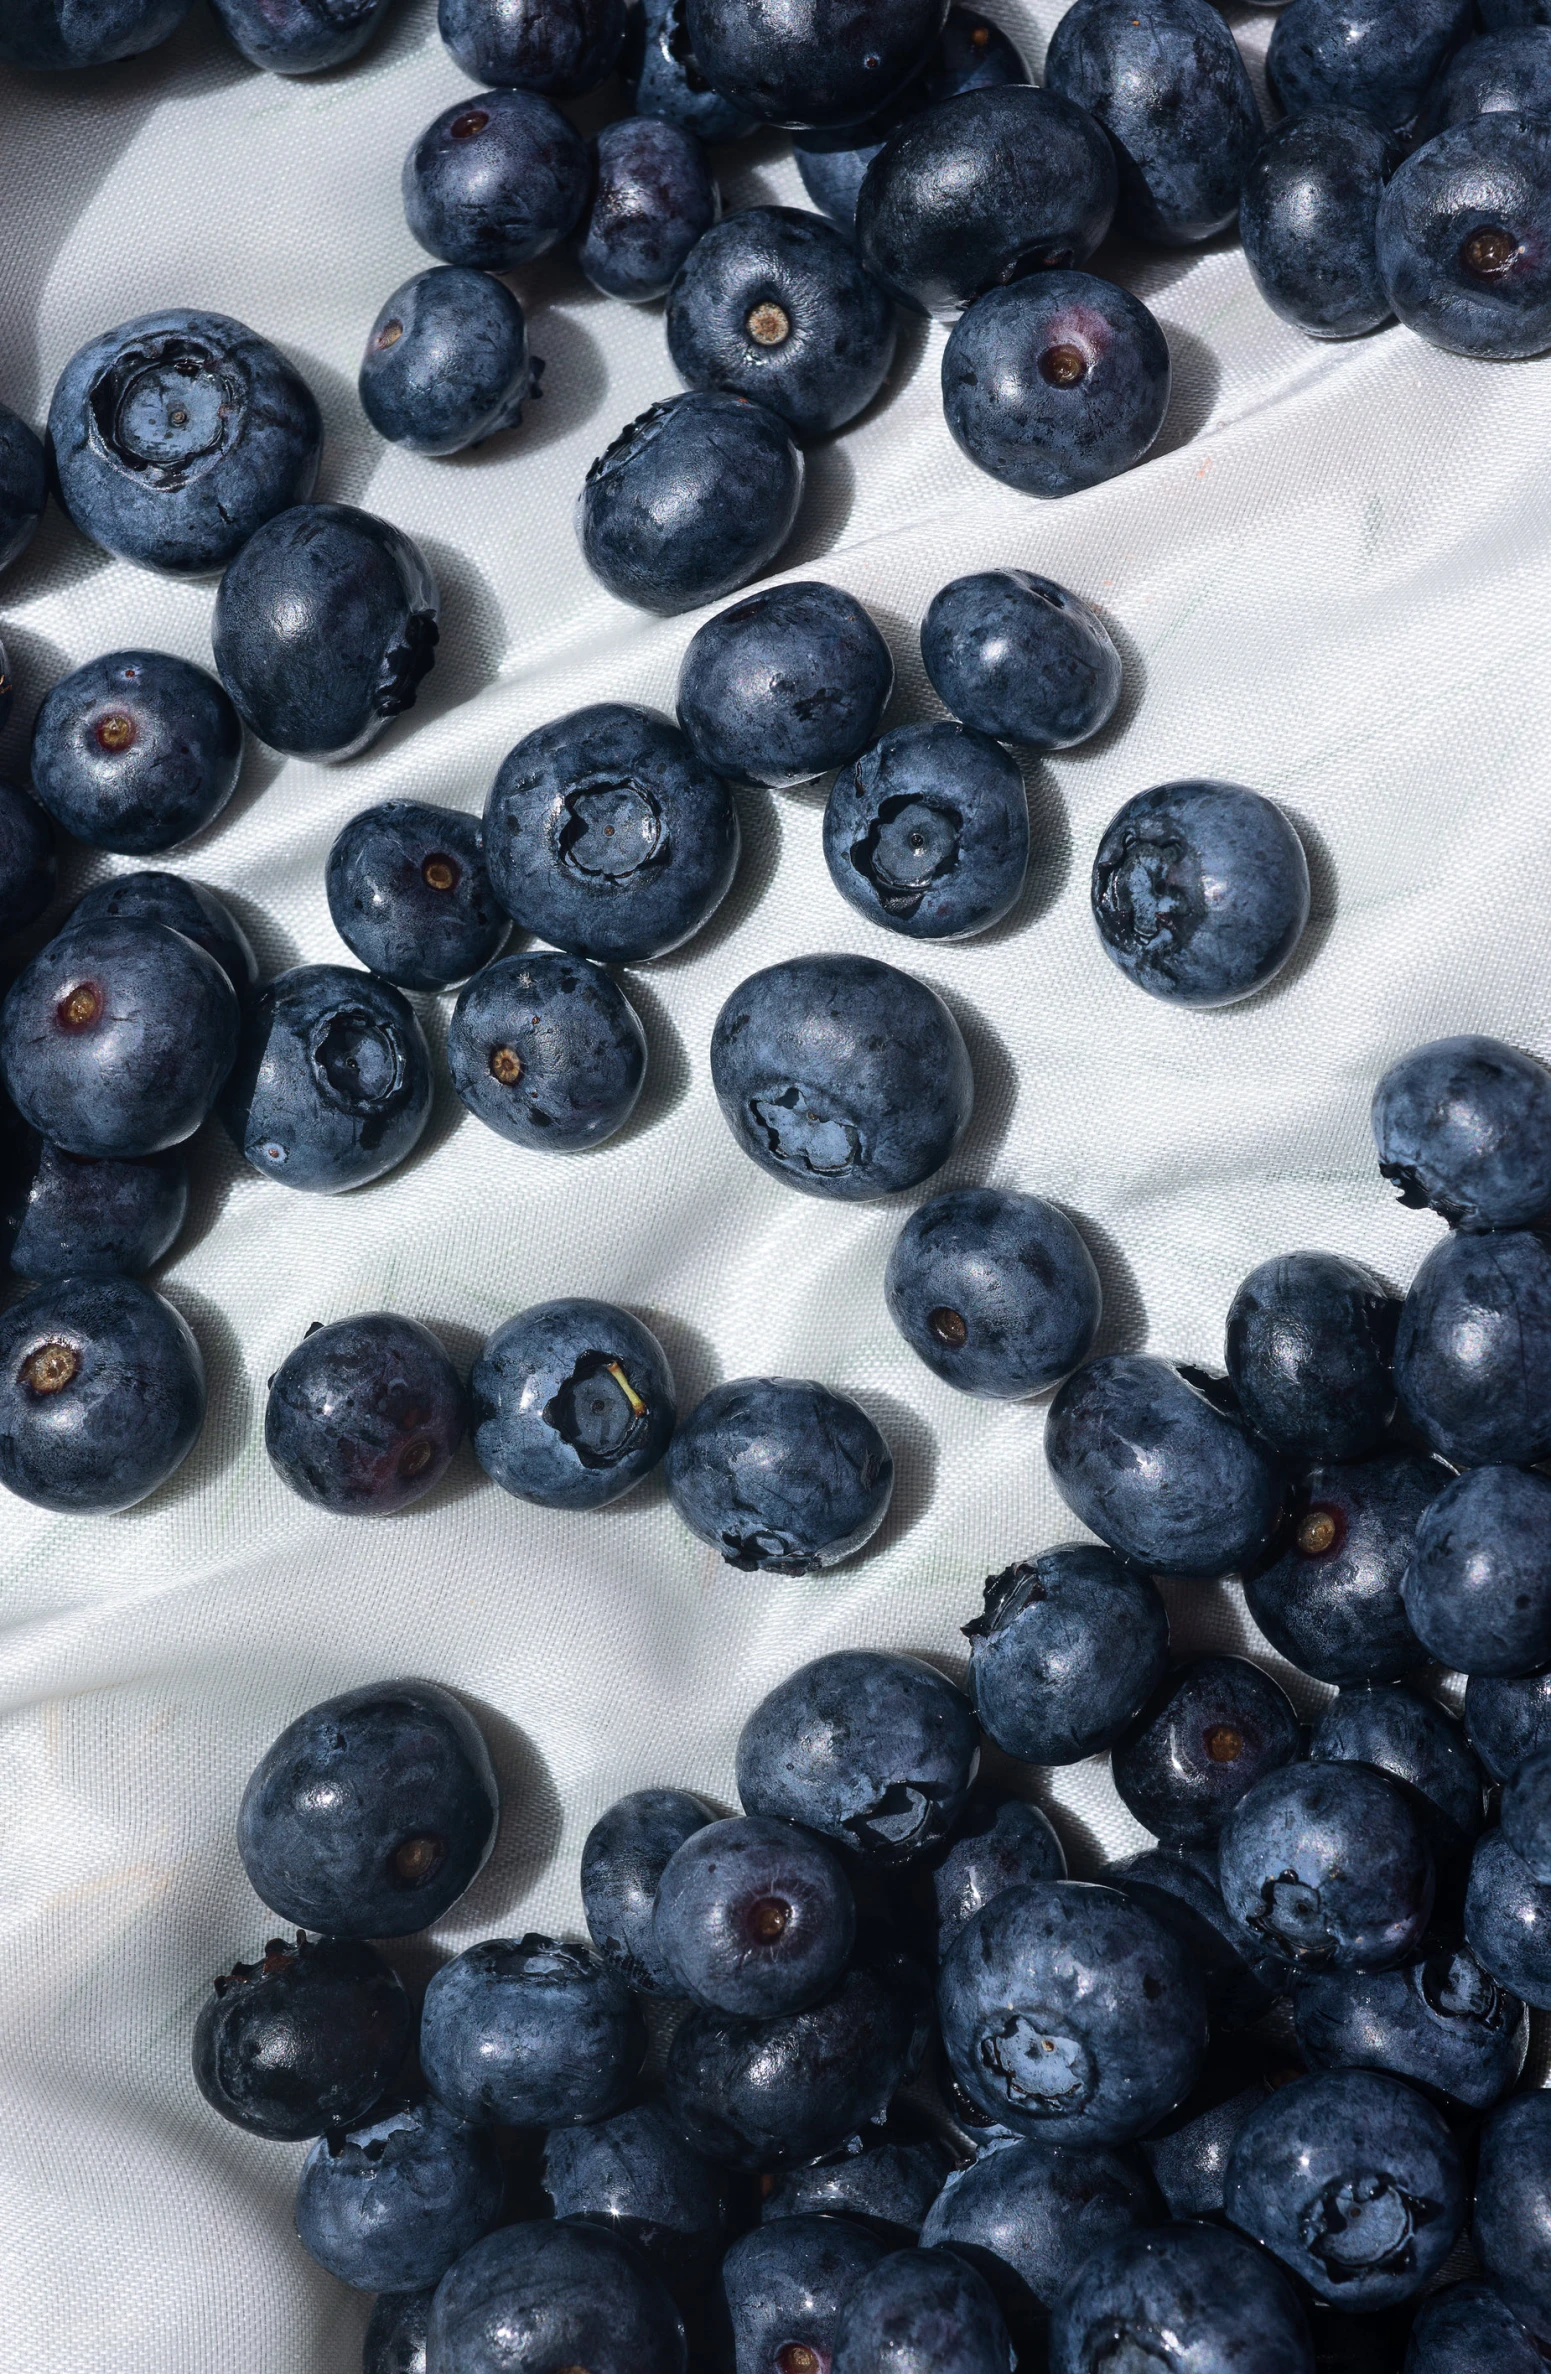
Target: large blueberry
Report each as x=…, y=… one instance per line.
x=50, y=34
x=1000, y=1843
x=1440, y=2021
x=653, y=196
x=1463, y=237
x=136, y=751
x=1311, y=1340
x=841, y=1076
x=922, y=2307
x=495, y=180
x=1070, y=1647
x=693, y=498
x=1478, y=1588
x=625, y=1854
x=1508, y=1720
x=1512, y=2224
x=28, y=863
x=753, y=1916
x=102, y=1394
x=1464, y=1126
x=1507, y=72
x=1149, y=1458
x=177, y=435
x=812, y=61
x=780, y=1475
x=23, y=484
x=785, y=685
x=1213, y=1727
x=446, y=362
x=371, y=1813
x=186, y=907
x=547, y=1051
x=608, y=837
x=1178, y=1886
x=888, y=2184
x=634, y=2175
x=62, y=1213
x=1362, y=54
x=1418, y=1742
x=876, y=1752
x=396, y=2333
x=1308, y=217
x=1473, y=1352
x=564, y=47
x=928, y=833
x=410, y=895
x=1508, y=1919
x=325, y=628
x=1470, y=2329
x=573, y=1403
x=1200, y=891
x=664, y=79
x=332, y=1083
x=305, y=2039
x=995, y=1291
x=1327, y=1865
x=299, y=36
x=1020, y=657
x=1029, y=2215
x=1056, y=383
x=551, y=2295
x=783, y=2290
x=527, y=2032
x=392, y=2204
x=1189, y=2296
x=364, y=1416
x=1332, y=1602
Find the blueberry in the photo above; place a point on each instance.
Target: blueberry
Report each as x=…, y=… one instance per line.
x=332, y=1084
x=653, y=196
x=1511, y=2228
x=411, y=897
x=1178, y=1886
x=1189, y=2296
x=1311, y=1339
x=1419, y=1743
x=28, y=865
x=664, y=79
x=530, y=2033
x=1508, y=72
x=1473, y=1352
x=1353, y=2182
x=783, y=2290
x=1187, y=2152
x=1070, y=2015
x=371, y=1813
x=396, y=2333
x=922, y=2308
x=446, y=362
x=573, y=1403
x=547, y=1051
x=1308, y=217
x=392, y=2204
x=1440, y=2021
x=1463, y=1126
x=833, y=165
x=995, y=1291
x=23, y=484
x=780, y=1475
x=833, y=62
x=1070, y=1647
x=1525, y=1814
x=117, y=1037
x=102, y=1394
x=1508, y=1919
x=57, y=33
x=1478, y=1589
x=1328, y=1866
x=177, y=435
x=496, y=180
x=187, y=907
x=1469, y=2329
x=928, y=833
x=1019, y=657
x=785, y=685
x=841, y=1076
x=634, y=2175
x=971, y=54
x=1332, y=1603
x=1026, y=2218
x=876, y=1752
x=1508, y=1720
x=753, y=1916
x=364, y=1416
x=693, y=498
x=887, y=2185
x=1150, y=1459
x=608, y=837
x=540, y=2296
x=136, y=751
x=1462, y=237
x=303, y=2040
x=325, y=628
x=1362, y=54
x=61, y=1213
x=1214, y=1726
x=564, y=47
x=1056, y=383
x=999, y=1844
x=299, y=36
x=976, y=193
x=1200, y=891
x=626, y=1853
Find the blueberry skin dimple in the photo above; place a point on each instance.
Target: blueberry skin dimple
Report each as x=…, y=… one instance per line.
x=102, y=1394
x=664, y=80
x=61, y=1213
x=1469, y=2329
x=527, y=2032
x=1146, y=1458
x=1478, y=1588
x=1178, y=1886
x=694, y=497
x=1170, y=88
x=136, y=751
x=547, y=1051
x=841, y=1076
x=562, y=47
x=495, y=180
x=364, y=1416
x=573, y=1403
x=23, y=486
x=754, y=1917
x=1310, y=1348
x=812, y=62
x=785, y=685
x=1308, y=217
x=299, y=36
x=446, y=362
x=922, y=2307
x=1508, y=1919
x=1512, y=2227
x=1018, y=656
x=1191, y=2296
x=1507, y=72
x=997, y=1845
x=1213, y=1728
x=780, y=1475
x=1328, y=1866
x=371, y=1813
x=653, y=196
x=785, y=2286
x=635, y=2176
x=1463, y=237
x=186, y=907
x=1441, y=2021
x=393, y=2203
x=576, y=2295
x=1056, y=383
x=174, y=437
x=28, y=863
x=1507, y=1720
x=1200, y=891
x=410, y=895
x=303, y=2040
x=626, y=1853
x=885, y=2185
x=995, y=1291
x=1333, y=1602
x=1464, y=1126
x=52, y=34
x=1473, y=1351
x=1070, y=1647
x=1028, y=2217
x=928, y=833
x=1416, y=1741
x=332, y=1083
x=396, y=2333
x=1362, y=54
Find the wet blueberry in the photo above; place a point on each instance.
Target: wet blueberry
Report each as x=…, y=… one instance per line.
x=995, y=1291
x=573, y=1403
x=1311, y=1339
x=875, y=1752
x=1190, y=2296
x=884, y=2182
x=653, y=196
x=393, y=2203
x=302, y=2040
x=1056, y=383
x=28, y=864
x=753, y=1916
x=1473, y=1351
x=1000, y=1843
x=1069, y=1649
x=1213, y=1727
x=332, y=1084
x=23, y=484
x=495, y=180
x=102, y=1394
x=1328, y=1866
x=364, y=1416
x=136, y=751
x=447, y=363
x=572, y=2295
x=664, y=79
x=527, y=2032
x=1308, y=217
x=780, y=1475
x=1507, y=72
x=1200, y=891
x=1478, y=1589
x=1469, y=2329
x=1512, y=2224
x=1508, y=1919
x=1028, y=2216
x=1464, y=1126
x=564, y=47
x=396, y=2333
x=299, y=36
x=547, y=1051
x=693, y=498
x=1356, y=53
x=1333, y=1603
x=1508, y=1720
x=410, y=896
x=1178, y=1886
x=830, y=63
x=626, y=1853
x=1409, y=1735
x=634, y=2175
x=1440, y=2021
x=785, y=685
x=1020, y=657
x=922, y=2307
x=185, y=906
x=63, y=1213
x=1463, y=232
x=928, y=833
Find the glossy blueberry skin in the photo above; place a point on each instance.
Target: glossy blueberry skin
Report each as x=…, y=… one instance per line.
x=653, y=196
x=754, y=1917
x=995, y=1291
x=1478, y=1588
x=608, y=837
x=117, y=1037
x=28, y=864
x=371, y=1813
x=1440, y=2021
x=1512, y=2224
x=875, y=1752
x=186, y=907
x=693, y=498
x=785, y=685
x=393, y=2203
x=562, y=47
x=788, y=2283
x=1328, y=1866
x=664, y=80
x=812, y=62
x=1508, y=1920
x=1508, y=72
x=1178, y=1886
x=181, y=495
x=1507, y=1720
x=61, y=1214
x=1213, y=1728
x=396, y=2333
x=1153, y=1465
x=886, y=2186
x=1469, y=2329
x=573, y=1403
x=1200, y=892
x=364, y=1416
x=1361, y=54
x=1486, y=179
x=325, y=628
x=527, y=2032
x=136, y=752
x=1463, y=1126
x=446, y=362
x=841, y=1076
x=780, y=1475
x=1172, y=92
x=920, y=2308
x=51, y=34
x=1028, y=2215
x=772, y=304
x=1473, y=1351
x=1525, y=1815
x=549, y=2295
x=410, y=895
x=1417, y=1742
x=1332, y=1603
x=299, y=36
x=1009, y=405
x=23, y=485
x=1353, y=2181
x=495, y=180
x=305, y=2039
x=1194, y=2296
x=332, y=1083
x=928, y=833
x=102, y=1394
x=1018, y=656
x=547, y=1051
x=1308, y=217
x=1311, y=1340
x=997, y=1845
x=626, y=1853
x=1070, y=1648
x=635, y=2176
x=1070, y=2014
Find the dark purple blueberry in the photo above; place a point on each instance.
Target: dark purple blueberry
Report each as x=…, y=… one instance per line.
x=1404, y=1732
x=1309, y=215
x=785, y=685
x=1508, y=1720
x=1332, y=1602
x=1188, y=2296
x=562, y=47
x=1463, y=1126
x=1214, y=1727
x=184, y=906
x=102, y=1394
x=1178, y=1886
x=1311, y=1339
x=1056, y=383
x=392, y=2203
x=136, y=751
x=410, y=895
x=653, y=196
x=780, y=1475
x=875, y=1752
x=1473, y=1351
x=1464, y=228
x=396, y=2333
x=547, y=1051
x=998, y=1844
x=1508, y=1919
x=28, y=864
x=65, y=1213
x=1525, y=1814
x=812, y=61
x=1070, y=1647
x=1328, y=1867
x=636, y=2177
x=364, y=1416
x=299, y=36
x=1187, y=2152
x=694, y=497
x=1470, y=2329
x=332, y=1084
x=305, y=2039
x=886, y=2181
x=447, y=363
x=625, y=1854
x=1362, y=54
x=576, y=2295
x=495, y=180
x=1440, y=2021
x=995, y=1291
x=1020, y=657
x=573, y=1403
x=928, y=833
x=922, y=2307
x=1200, y=891
x=1478, y=1589
x=23, y=486
x=528, y=2032
x=754, y=1917
x=1026, y=2218
x=1498, y=73
x=1512, y=2224
x=664, y=79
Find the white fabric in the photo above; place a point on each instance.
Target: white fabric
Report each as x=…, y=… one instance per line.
x=1328, y=582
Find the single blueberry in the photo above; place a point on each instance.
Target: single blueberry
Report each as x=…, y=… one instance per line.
x=299, y=36
x=1332, y=1603
x=396, y=2333
x=547, y=1051
x=1418, y=1742
x=1308, y=217
x=447, y=363
x=1478, y=1588
x=693, y=498
x=753, y=1916
x=1441, y=2021
x=392, y=2204
x=1473, y=1351
x=63, y=1213
x=371, y=1813
x=928, y=833
x=1525, y=1814
x=563, y=47
x=1178, y=1886
x=780, y=1475
x=102, y=1394
x=636, y=2177
x=663, y=77
x=50, y=34
x=1213, y=1727
x=1470, y=2329
x=303, y=2040
x=626, y=1852
x=495, y=180
x=1506, y=1721
x=573, y=1403
x=177, y=435
x=886, y=2183
x=410, y=895
x=1070, y=1647
x=841, y=1076
x=999, y=1843
x=876, y=1752
x=919, y=2308
x=807, y=62
x=187, y=907
x=1327, y=1865
x=1187, y=2152
x=970, y=54
x=1311, y=1340
x=1464, y=1126
x=1507, y=72
x=1026, y=2218
x=1020, y=657
x=1191, y=2297
x=1155, y=1461
x=995, y=1291
x=28, y=864
x=785, y=685
x=1362, y=54
x=783, y=2289
x=332, y=1083
x=23, y=484
x=325, y=628
x=1512, y=2224
x=548, y=2295
x=364, y=1416
x=1056, y=383
x=1463, y=233
x=607, y=836
x=527, y=2032
x=136, y=751
x=1508, y=1919
x=1200, y=891
x=653, y=196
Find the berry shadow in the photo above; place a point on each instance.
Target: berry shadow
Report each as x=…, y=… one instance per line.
x=472, y=644
x=233, y=1411
x=1323, y=884
x=1133, y=695
x=352, y=448
x=691, y=1357
x=829, y=491
x=668, y=1071
x=912, y=333
x=575, y=377
x=214, y=1169
x=59, y=560
x=915, y=1468
x=1193, y=391
x=1123, y=1318
x=1148, y=271
x=1050, y=854
x=744, y=170
x=35, y=665
x=260, y=768
x=996, y=1095
x=275, y=949
x=1086, y=1854
x=531, y=1821
x=759, y=821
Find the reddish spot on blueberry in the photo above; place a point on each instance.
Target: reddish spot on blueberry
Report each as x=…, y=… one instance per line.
x=464, y=127
x=769, y=1919
x=417, y=1860
x=389, y=335
x=80, y=1007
